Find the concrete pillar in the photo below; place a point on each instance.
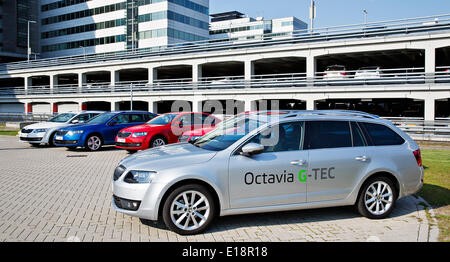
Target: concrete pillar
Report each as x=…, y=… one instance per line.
x=53, y=81
x=430, y=64
x=311, y=68
x=430, y=109
x=27, y=83
x=310, y=104
x=152, y=75
x=248, y=105
x=197, y=106
x=81, y=79
x=197, y=73
x=249, y=70
x=115, y=78
x=153, y=107
x=115, y=106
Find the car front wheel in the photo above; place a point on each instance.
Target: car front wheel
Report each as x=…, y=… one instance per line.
x=189, y=209
x=93, y=143
x=377, y=198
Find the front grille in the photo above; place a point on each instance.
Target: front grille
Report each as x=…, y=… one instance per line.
x=129, y=144
x=31, y=139
x=26, y=131
x=118, y=172
x=124, y=135
x=66, y=142
x=61, y=133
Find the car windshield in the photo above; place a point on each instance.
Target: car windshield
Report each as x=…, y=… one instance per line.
x=230, y=131
x=62, y=118
x=162, y=120
x=102, y=118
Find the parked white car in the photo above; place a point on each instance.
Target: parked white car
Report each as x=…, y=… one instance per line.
x=43, y=132
x=368, y=72
x=335, y=72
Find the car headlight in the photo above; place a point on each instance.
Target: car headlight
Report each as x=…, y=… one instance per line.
x=43, y=130
x=139, y=177
x=76, y=132
x=139, y=134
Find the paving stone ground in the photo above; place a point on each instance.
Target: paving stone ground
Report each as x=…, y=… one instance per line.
x=52, y=194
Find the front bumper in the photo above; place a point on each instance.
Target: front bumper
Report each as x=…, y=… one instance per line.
x=147, y=195
x=33, y=138
x=133, y=143
x=73, y=141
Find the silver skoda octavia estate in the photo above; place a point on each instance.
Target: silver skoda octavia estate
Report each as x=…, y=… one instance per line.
x=271, y=161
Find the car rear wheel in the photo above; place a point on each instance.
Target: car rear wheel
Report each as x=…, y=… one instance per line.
x=377, y=198
x=189, y=209
x=93, y=143
x=158, y=141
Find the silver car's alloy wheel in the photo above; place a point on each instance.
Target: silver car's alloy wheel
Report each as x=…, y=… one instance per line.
x=94, y=143
x=378, y=198
x=189, y=210
x=158, y=142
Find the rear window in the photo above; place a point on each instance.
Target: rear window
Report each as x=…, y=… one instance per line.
x=328, y=134
x=381, y=135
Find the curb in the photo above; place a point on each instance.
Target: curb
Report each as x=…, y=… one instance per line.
x=432, y=230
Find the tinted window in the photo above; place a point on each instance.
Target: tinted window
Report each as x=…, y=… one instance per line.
x=121, y=119
x=328, y=134
x=382, y=135
x=285, y=137
x=137, y=118
x=147, y=117
x=208, y=120
x=81, y=118
x=358, y=137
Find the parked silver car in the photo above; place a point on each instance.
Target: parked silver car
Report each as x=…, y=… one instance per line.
x=265, y=162
x=44, y=132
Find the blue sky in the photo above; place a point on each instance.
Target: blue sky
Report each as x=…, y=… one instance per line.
x=334, y=12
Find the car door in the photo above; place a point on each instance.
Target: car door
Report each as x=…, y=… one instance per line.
x=336, y=161
x=120, y=122
x=272, y=177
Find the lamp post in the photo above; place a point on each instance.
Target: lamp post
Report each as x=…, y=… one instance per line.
x=312, y=14
x=365, y=16
x=28, y=42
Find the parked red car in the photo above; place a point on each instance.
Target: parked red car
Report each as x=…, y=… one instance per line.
x=162, y=130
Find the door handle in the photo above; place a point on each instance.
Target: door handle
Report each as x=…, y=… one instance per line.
x=362, y=158
x=298, y=162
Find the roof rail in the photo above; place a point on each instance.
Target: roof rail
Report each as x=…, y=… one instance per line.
x=332, y=113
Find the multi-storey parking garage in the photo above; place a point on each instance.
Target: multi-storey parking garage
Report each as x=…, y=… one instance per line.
x=408, y=60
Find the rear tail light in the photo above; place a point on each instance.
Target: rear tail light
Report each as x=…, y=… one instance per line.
x=418, y=157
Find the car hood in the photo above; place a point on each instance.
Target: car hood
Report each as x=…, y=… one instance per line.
x=165, y=157
x=42, y=125
x=79, y=127
x=141, y=128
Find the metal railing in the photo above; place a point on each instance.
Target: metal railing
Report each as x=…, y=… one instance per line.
x=22, y=117
x=354, y=31
x=386, y=77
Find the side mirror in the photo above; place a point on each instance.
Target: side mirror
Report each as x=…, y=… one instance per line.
x=113, y=123
x=251, y=149
x=76, y=121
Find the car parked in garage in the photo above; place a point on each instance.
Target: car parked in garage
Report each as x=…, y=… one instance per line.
x=264, y=163
x=335, y=72
x=368, y=72
x=162, y=130
x=101, y=130
x=44, y=132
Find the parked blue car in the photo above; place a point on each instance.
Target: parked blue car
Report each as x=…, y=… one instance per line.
x=100, y=130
